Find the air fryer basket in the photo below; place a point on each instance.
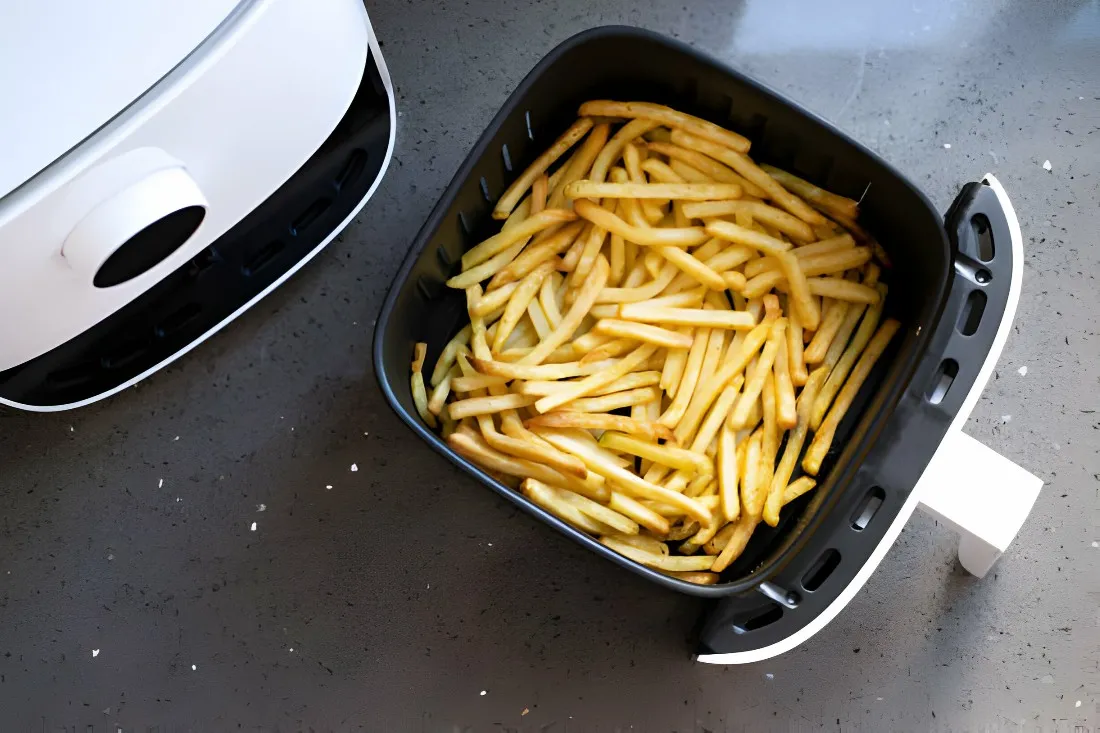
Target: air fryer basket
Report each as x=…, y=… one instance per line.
x=631, y=64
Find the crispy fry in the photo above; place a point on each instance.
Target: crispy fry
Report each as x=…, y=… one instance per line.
x=845, y=363
x=796, y=360
x=728, y=319
x=663, y=562
x=785, y=411
x=597, y=379
x=759, y=211
x=670, y=117
x=744, y=167
x=601, y=217
x=530, y=447
x=505, y=239
x=735, y=542
x=826, y=200
x=688, y=380
x=823, y=438
x=536, y=371
x=472, y=406
x=755, y=383
x=630, y=381
x=683, y=158
x=640, y=513
x=664, y=454
x=793, y=449
x=552, y=501
x=580, y=163
x=514, y=193
x=600, y=513
x=731, y=232
x=841, y=289
x=614, y=401
x=697, y=577
x=826, y=332
x=590, y=289
x=797, y=488
x=643, y=332
x=728, y=474
x=540, y=189
x=665, y=191
x=600, y=421
x=614, y=148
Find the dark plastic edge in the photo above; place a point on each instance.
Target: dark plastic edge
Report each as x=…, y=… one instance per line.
x=904, y=447
x=852, y=454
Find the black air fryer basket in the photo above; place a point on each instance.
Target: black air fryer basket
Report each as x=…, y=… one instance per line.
x=949, y=285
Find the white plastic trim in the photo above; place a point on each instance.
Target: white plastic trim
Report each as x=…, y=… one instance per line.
x=376, y=56
x=916, y=496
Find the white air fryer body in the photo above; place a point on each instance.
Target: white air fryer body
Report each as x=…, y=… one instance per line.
x=136, y=136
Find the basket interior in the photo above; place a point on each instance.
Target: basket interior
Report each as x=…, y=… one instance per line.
x=626, y=65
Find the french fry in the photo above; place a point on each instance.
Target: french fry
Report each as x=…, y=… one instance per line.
x=786, y=415
x=580, y=163
x=601, y=217
x=505, y=239
x=438, y=397
x=614, y=401
x=509, y=371
x=689, y=378
x=514, y=192
x=696, y=577
x=529, y=447
x=823, y=438
x=682, y=158
x=670, y=117
x=618, y=522
x=731, y=232
x=678, y=191
x=663, y=562
x=797, y=488
x=735, y=542
x=834, y=204
x=472, y=406
x=517, y=304
x=640, y=292
x=755, y=383
x=790, y=225
x=643, y=332
x=841, y=289
x=744, y=167
x=597, y=379
x=664, y=454
x=590, y=289
x=796, y=360
x=551, y=500
x=728, y=474
x=540, y=189
x=599, y=421
x=693, y=268
x=627, y=133
x=643, y=542
x=640, y=513
x=792, y=450
x=845, y=363
x=826, y=332
x=541, y=388
x=728, y=319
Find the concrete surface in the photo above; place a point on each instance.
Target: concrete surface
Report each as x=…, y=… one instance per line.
x=406, y=597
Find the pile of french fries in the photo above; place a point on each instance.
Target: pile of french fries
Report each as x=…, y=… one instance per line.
x=658, y=330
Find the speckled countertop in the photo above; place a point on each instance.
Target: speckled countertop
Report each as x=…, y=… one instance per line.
x=206, y=534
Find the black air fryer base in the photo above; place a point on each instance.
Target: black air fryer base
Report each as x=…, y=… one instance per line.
x=261, y=248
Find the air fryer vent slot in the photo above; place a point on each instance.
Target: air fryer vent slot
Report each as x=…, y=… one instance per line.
x=820, y=571
x=758, y=619
x=507, y=157
x=262, y=257
x=177, y=320
x=945, y=375
x=971, y=315
x=867, y=508
x=485, y=189
x=310, y=215
x=984, y=234
x=357, y=163
x=527, y=119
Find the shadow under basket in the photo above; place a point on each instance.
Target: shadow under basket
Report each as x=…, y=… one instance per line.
x=904, y=408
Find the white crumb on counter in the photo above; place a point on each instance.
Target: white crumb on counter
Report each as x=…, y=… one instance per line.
x=1006, y=419
x=947, y=146
x=95, y=653
x=354, y=468
x=160, y=483
x=1022, y=371
x=1046, y=165
x=253, y=527
x=261, y=507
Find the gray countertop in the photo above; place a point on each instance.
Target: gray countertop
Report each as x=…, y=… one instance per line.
x=403, y=596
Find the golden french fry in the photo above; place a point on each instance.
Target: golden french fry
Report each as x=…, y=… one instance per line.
x=826, y=200
x=592, y=246
x=420, y=399
x=614, y=401
x=664, y=454
x=797, y=488
x=790, y=225
x=552, y=501
x=580, y=163
x=599, y=512
x=446, y=358
x=420, y=350
x=802, y=301
x=744, y=167
x=630, y=381
x=597, y=379
x=514, y=193
x=786, y=415
x=689, y=378
x=823, y=438
x=728, y=319
x=600, y=421
x=678, y=191
x=472, y=406
x=670, y=117
x=529, y=447
x=497, y=243
x=728, y=474
x=566, y=370
x=697, y=577
x=793, y=449
x=517, y=304
x=661, y=562
x=438, y=397
x=540, y=189
x=643, y=332
x=586, y=297
x=796, y=360
x=640, y=513
x=684, y=160
x=755, y=383
x=731, y=232
x=845, y=362
x=735, y=542
x=841, y=289
x=614, y=147
x=601, y=217
x=627, y=481
x=693, y=268
x=826, y=332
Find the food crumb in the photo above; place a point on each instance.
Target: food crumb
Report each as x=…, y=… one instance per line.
x=95, y=653
x=1022, y=370
x=484, y=693
x=1077, y=704
x=1046, y=165
x=261, y=507
x=253, y=527
x=194, y=667
x=1006, y=418
x=354, y=468
x=525, y=711
x=160, y=483
x=1096, y=544
x=291, y=650
x=328, y=487
x=947, y=146
x=770, y=676
x=176, y=438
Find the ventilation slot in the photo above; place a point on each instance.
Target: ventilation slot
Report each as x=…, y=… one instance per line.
x=203, y=261
x=984, y=234
x=74, y=375
x=310, y=215
x=527, y=119
x=357, y=163
x=507, y=158
x=124, y=355
x=262, y=258
x=485, y=189
x=972, y=312
x=444, y=258
x=759, y=619
x=945, y=375
x=867, y=508
x=177, y=320
x=820, y=571
x=463, y=224
x=427, y=289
